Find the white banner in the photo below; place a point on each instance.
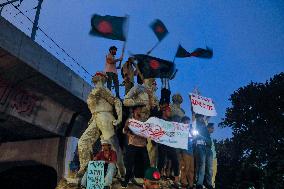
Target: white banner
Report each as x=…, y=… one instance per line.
x=202, y=105
x=172, y=134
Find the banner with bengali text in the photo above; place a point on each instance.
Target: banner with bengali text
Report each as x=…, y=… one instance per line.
x=172, y=134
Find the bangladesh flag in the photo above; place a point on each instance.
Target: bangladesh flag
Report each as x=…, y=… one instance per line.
x=202, y=53
x=152, y=67
x=159, y=29
x=110, y=27
x=182, y=53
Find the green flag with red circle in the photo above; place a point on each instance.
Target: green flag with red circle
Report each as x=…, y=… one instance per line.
x=159, y=29
x=152, y=67
x=111, y=27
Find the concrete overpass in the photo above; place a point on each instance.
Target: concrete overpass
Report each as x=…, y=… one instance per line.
x=42, y=102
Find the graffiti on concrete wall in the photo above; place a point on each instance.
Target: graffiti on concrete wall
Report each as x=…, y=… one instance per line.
x=22, y=101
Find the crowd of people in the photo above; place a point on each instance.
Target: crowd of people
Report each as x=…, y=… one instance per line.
x=140, y=157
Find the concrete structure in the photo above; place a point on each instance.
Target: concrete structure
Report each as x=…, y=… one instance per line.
x=42, y=102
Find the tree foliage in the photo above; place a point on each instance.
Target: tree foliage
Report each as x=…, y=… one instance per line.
x=257, y=120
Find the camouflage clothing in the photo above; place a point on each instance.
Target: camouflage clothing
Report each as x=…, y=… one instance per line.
x=101, y=102
x=177, y=113
x=85, y=146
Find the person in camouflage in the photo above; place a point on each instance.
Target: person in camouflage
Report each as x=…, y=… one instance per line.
x=151, y=87
x=177, y=112
x=101, y=102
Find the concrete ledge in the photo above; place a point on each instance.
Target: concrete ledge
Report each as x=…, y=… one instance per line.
x=9, y=37
x=30, y=52
x=21, y=46
x=64, y=76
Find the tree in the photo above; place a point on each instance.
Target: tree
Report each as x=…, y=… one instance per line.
x=257, y=120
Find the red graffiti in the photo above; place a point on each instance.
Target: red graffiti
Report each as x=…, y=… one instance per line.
x=23, y=102
x=4, y=91
x=20, y=100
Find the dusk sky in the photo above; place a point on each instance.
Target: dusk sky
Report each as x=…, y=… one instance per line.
x=247, y=38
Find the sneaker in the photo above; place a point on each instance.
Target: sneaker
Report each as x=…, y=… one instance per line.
x=208, y=186
x=124, y=184
x=199, y=187
x=137, y=181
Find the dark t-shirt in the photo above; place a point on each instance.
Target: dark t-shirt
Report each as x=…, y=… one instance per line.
x=203, y=133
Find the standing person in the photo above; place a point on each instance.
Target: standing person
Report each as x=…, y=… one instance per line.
x=110, y=69
x=109, y=157
x=187, y=158
x=128, y=73
x=136, y=148
x=151, y=88
x=167, y=151
x=210, y=128
x=177, y=112
x=203, y=152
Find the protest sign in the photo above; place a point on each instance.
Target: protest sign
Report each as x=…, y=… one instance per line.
x=172, y=134
x=95, y=175
x=202, y=105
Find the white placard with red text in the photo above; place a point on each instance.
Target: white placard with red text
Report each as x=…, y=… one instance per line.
x=172, y=134
x=202, y=105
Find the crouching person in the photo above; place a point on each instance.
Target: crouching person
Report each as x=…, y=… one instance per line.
x=152, y=178
x=109, y=157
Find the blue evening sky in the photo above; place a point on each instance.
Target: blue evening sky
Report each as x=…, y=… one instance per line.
x=247, y=38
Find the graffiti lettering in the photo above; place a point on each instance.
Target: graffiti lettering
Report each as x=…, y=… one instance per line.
x=4, y=91
x=20, y=100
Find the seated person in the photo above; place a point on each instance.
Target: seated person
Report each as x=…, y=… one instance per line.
x=109, y=156
x=152, y=178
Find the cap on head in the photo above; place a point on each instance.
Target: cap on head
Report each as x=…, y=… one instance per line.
x=152, y=174
x=99, y=76
x=177, y=98
x=105, y=142
x=112, y=48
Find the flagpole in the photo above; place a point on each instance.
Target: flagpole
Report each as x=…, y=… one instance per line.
x=149, y=52
x=122, y=54
x=174, y=59
x=124, y=44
